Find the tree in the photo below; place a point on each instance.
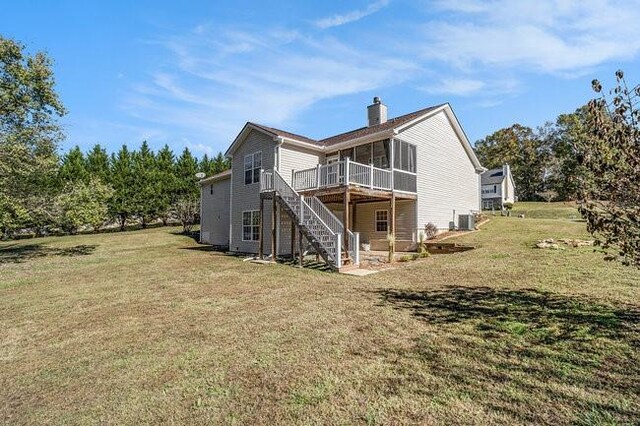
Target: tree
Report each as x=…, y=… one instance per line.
x=98, y=163
x=145, y=199
x=187, y=183
x=220, y=164
x=167, y=182
x=188, y=210
x=73, y=167
x=83, y=204
x=610, y=199
x=29, y=134
x=526, y=153
x=566, y=140
x=122, y=204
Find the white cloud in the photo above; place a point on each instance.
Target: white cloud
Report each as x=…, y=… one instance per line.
x=217, y=80
x=352, y=16
x=543, y=36
x=457, y=87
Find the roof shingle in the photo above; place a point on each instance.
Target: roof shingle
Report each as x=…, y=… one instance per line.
x=352, y=134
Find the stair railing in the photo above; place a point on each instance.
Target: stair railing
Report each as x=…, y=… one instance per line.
x=308, y=217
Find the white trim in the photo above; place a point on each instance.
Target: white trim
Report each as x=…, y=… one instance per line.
x=253, y=168
x=252, y=225
x=375, y=219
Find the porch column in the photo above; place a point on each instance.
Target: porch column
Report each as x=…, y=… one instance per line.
x=274, y=229
x=347, y=225
x=392, y=214
x=261, y=231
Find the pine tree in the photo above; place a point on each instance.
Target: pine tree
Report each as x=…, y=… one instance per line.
x=186, y=169
x=73, y=167
x=220, y=163
x=167, y=182
x=122, y=204
x=98, y=163
x=144, y=175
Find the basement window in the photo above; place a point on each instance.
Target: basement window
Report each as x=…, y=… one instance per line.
x=251, y=225
x=382, y=220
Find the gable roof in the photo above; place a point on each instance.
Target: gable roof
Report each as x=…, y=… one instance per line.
x=387, y=125
x=385, y=129
x=493, y=176
x=285, y=134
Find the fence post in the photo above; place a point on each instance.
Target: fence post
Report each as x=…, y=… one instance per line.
x=318, y=176
x=293, y=178
x=371, y=176
x=357, y=248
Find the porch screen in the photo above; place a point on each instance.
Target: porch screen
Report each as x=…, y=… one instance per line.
x=381, y=154
x=404, y=156
x=363, y=154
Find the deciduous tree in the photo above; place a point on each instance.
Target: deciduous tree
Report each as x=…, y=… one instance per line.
x=610, y=199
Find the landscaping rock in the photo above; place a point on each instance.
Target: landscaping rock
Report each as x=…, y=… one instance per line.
x=550, y=243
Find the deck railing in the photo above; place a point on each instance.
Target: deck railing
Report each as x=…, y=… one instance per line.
x=353, y=173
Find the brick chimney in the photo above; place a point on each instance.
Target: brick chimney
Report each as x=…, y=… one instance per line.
x=377, y=112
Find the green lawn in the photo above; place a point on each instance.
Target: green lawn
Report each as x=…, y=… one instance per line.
x=148, y=327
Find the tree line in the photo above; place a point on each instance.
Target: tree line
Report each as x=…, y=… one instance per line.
x=45, y=192
x=129, y=185
x=545, y=161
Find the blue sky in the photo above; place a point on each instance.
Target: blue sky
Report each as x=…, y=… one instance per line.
x=192, y=73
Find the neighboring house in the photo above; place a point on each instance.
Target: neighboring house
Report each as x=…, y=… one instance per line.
x=390, y=177
x=498, y=188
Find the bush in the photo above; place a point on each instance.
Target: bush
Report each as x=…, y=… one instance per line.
x=405, y=258
x=430, y=231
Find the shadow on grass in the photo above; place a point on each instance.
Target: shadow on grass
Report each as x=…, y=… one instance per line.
x=534, y=356
x=25, y=253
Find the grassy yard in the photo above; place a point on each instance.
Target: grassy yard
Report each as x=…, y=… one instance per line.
x=148, y=327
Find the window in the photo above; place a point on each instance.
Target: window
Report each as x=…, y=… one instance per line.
x=382, y=220
x=252, y=166
x=251, y=225
x=404, y=156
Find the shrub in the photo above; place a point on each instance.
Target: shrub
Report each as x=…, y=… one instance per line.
x=430, y=230
x=405, y=258
x=424, y=254
x=421, y=245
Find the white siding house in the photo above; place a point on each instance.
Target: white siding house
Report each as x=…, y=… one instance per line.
x=392, y=176
x=498, y=188
x=215, y=196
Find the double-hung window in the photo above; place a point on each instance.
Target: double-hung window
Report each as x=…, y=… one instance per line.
x=382, y=220
x=252, y=166
x=251, y=225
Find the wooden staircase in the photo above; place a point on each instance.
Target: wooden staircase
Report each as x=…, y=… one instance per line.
x=319, y=226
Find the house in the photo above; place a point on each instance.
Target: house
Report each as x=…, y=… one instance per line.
x=498, y=188
x=287, y=193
